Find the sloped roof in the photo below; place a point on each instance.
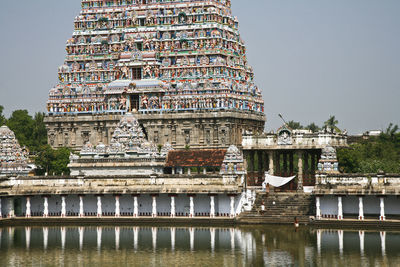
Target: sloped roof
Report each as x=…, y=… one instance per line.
x=196, y=158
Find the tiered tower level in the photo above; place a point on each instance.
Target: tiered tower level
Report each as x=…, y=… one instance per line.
x=180, y=66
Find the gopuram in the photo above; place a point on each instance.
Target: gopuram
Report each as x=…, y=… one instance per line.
x=179, y=66
x=13, y=158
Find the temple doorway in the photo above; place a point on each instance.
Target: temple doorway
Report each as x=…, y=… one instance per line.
x=134, y=99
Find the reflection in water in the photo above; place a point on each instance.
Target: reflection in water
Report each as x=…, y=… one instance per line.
x=196, y=246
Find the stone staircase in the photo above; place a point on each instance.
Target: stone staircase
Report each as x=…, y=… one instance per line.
x=280, y=207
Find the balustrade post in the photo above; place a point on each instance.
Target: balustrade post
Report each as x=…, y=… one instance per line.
x=212, y=206
x=271, y=162
x=11, y=212
x=46, y=207
x=191, y=213
x=360, y=208
x=300, y=171
x=81, y=211
x=172, y=206
x=154, y=206
x=117, y=207
x=135, y=206
x=232, y=213
x=340, y=208
x=382, y=206
x=28, y=207
x=99, y=207
x=63, y=207
x=318, y=206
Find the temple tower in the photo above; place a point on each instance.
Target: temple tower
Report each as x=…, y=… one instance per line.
x=179, y=66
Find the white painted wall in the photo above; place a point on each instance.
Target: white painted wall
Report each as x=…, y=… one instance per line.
x=202, y=204
x=329, y=205
x=90, y=205
x=224, y=204
x=350, y=204
x=392, y=205
x=371, y=205
x=37, y=205
x=126, y=203
x=145, y=203
x=182, y=204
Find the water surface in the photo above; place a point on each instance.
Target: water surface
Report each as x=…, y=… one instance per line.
x=196, y=246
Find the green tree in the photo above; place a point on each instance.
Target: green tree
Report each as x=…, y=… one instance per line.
x=313, y=127
x=373, y=155
x=294, y=125
x=52, y=161
x=21, y=123
x=39, y=132
x=2, y=118
x=331, y=124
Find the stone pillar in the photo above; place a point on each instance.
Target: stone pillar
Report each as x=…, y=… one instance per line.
x=251, y=163
x=360, y=208
x=46, y=207
x=135, y=206
x=28, y=207
x=212, y=207
x=99, y=209
x=382, y=205
x=300, y=171
x=191, y=213
x=318, y=206
x=172, y=206
x=232, y=214
x=271, y=162
x=340, y=208
x=81, y=212
x=63, y=207
x=11, y=212
x=285, y=163
x=117, y=209
x=154, y=206
x=260, y=161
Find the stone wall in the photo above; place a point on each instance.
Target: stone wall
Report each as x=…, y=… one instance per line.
x=194, y=129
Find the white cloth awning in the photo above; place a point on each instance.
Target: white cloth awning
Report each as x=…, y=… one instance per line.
x=277, y=181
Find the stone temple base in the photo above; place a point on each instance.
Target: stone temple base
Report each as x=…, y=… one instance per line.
x=213, y=129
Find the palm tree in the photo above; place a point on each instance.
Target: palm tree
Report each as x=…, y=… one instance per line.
x=331, y=124
x=313, y=127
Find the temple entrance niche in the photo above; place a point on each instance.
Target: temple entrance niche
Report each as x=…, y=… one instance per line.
x=134, y=100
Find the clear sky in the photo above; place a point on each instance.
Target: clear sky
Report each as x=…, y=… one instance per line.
x=312, y=58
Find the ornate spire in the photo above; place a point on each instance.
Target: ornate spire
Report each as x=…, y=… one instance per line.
x=13, y=159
